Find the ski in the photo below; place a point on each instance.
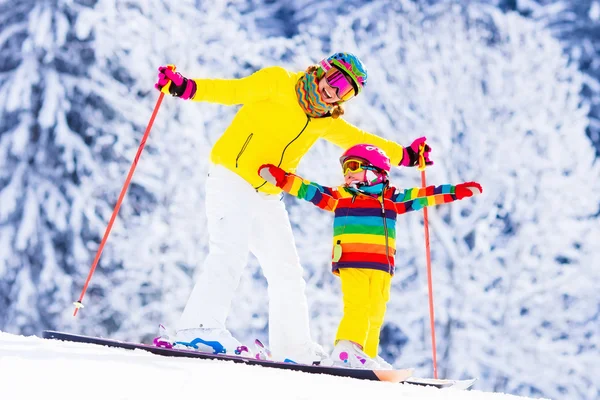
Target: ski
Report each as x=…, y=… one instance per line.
x=457, y=384
x=396, y=376
x=378, y=375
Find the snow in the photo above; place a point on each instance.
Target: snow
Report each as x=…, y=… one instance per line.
x=594, y=12
x=35, y=368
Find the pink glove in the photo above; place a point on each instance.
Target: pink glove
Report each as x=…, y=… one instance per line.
x=411, y=153
x=272, y=174
x=181, y=87
x=467, y=189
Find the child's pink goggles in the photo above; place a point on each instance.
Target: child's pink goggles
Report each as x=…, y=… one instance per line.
x=338, y=81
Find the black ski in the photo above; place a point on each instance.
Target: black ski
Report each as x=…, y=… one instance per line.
x=365, y=374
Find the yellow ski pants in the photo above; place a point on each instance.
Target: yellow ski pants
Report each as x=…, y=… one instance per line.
x=365, y=295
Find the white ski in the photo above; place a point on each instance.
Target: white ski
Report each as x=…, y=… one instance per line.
x=457, y=384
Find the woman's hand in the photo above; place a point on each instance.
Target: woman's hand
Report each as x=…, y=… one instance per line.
x=418, y=148
x=178, y=85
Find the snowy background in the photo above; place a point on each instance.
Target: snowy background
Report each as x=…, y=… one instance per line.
x=507, y=93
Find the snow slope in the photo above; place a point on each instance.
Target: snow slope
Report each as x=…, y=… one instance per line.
x=35, y=368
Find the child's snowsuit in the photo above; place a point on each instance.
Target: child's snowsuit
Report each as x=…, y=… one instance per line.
x=365, y=228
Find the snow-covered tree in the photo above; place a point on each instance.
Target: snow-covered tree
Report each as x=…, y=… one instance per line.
x=575, y=23
x=73, y=111
x=50, y=160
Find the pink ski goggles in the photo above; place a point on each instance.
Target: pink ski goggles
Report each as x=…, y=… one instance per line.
x=338, y=81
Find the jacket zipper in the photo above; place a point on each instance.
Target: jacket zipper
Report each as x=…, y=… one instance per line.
x=339, y=242
x=385, y=229
x=243, y=148
x=286, y=146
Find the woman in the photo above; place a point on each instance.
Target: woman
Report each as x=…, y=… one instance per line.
x=283, y=115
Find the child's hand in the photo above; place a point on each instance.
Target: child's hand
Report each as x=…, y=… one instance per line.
x=272, y=174
x=468, y=189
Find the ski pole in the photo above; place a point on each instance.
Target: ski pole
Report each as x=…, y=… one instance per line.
x=78, y=304
x=428, y=258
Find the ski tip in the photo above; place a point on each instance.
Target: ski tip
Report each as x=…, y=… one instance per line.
x=456, y=384
x=463, y=384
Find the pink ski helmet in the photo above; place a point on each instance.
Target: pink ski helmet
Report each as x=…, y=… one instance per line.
x=373, y=154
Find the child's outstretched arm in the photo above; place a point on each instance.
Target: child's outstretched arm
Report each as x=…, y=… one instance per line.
x=319, y=195
x=416, y=198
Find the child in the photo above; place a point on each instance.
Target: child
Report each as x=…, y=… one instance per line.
x=364, y=233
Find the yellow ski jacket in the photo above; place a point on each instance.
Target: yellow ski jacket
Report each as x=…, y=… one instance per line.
x=271, y=127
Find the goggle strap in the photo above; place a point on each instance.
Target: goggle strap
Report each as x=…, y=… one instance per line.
x=371, y=168
x=325, y=65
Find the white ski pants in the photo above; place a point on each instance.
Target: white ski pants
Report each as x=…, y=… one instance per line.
x=240, y=220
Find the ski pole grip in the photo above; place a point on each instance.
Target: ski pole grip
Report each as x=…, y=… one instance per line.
x=422, y=164
x=165, y=88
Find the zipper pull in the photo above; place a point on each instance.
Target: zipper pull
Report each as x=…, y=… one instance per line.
x=337, y=251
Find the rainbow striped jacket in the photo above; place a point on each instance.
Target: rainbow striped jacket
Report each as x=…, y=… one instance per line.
x=365, y=226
